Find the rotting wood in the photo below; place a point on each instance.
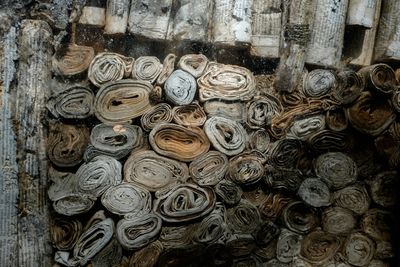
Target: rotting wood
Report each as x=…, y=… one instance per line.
x=35, y=51
x=8, y=151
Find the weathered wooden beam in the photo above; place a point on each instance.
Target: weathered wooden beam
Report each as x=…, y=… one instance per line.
x=8, y=150
x=35, y=51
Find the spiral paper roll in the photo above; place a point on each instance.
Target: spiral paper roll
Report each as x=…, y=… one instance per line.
x=108, y=67
x=300, y=218
x=243, y=218
x=73, y=203
x=259, y=140
x=246, y=168
x=288, y=246
x=384, y=188
x=378, y=224
x=115, y=141
x=175, y=236
x=319, y=83
x=266, y=232
x=154, y=172
x=108, y=255
x=304, y=128
x=97, y=175
x=184, y=203
x=209, y=168
x=121, y=101
x=380, y=77
x=136, y=232
x=195, y=64
x=336, y=169
x=229, y=192
x=212, y=228
x=226, y=82
x=285, y=153
x=336, y=119
x=147, y=256
x=262, y=109
x=191, y=115
x=337, y=220
x=147, y=68
x=240, y=245
x=227, y=136
x=358, y=249
x=168, y=68
x=327, y=140
x=75, y=102
x=396, y=100
x=354, y=198
x=73, y=60
x=93, y=240
x=370, y=115
x=319, y=247
x=315, y=192
x=126, y=198
x=350, y=86
x=180, y=88
x=287, y=180
x=178, y=142
x=272, y=205
x=231, y=110
x=64, y=232
x=66, y=144
x=157, y=114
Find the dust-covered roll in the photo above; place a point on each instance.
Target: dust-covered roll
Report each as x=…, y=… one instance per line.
x=108, y=66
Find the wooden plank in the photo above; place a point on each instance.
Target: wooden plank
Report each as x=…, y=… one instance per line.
x=35, y=51
x=8, y=149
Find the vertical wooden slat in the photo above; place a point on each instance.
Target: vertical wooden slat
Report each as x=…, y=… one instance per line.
x=8, y=149
x=35, y=51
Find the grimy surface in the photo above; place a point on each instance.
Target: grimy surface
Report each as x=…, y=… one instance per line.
x=30, y=31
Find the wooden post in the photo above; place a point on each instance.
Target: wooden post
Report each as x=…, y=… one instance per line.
x=388, y=39
x=34, y=75
x=297, y=33
x=325, y=47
